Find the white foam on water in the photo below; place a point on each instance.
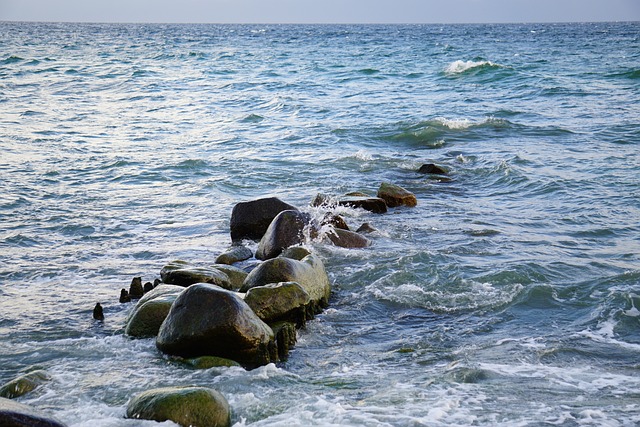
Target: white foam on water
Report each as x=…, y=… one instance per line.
x=459, y=67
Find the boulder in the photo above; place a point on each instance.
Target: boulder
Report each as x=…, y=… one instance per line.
x=309, y=273
x=279, y=301
x=287, y=229
x=334, y=220
x=394, y=195
x=295, y=252
x=234, y=254
x=24, y=384
x=135, y=289
x=365, y=228
x=14, y=414
x=206, y=320
x=183, y=274
x=250, y=220
x=207, y=362
x=347, y=239
x=149, y=313
x=236, y=275
x=371, y=204
x=430, y=168
x=185, y=406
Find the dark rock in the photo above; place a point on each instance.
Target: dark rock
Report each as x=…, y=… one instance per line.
x=183, y=274
x=14, y=414
x=135, y=290
x=149, y=313
x=156, y=282
x=357, y=194
x=285, y=333
x=236, y=275
x=308, y=273
x=23, y=384
x=97, y=312
x=295, y=252
x=185, y=406
x=347, y=239
x=206, y=320
x=250, y=220
x=279, y=301
x=124, y=296
x=148, y=287
x=371, y=204
x=394, y=195
x=234, y=254
x=287, y=229
x=365, y=228
x=335, y=220
x=322, y=200
x=207, y=362
x=430, y=168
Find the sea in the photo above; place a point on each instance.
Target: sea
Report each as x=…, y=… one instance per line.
x=509, y=296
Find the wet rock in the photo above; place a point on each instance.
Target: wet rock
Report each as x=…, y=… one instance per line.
x=371, y=204
x=207, y=362
x=149, y=313
x=295, y=252
x=394, y=195
x=185, y=406
x=124, y=296
x=335, y=220
x=432, y=169
x=236, y=275
x=347, y=239
x=285, y=333
x=279, y=301
x=287, y=229
x=322, y=200
x=365, y=228
x=135, y=289
x=309, y=273
x=183, y=274
x=24, y=384
x=14, y=414
x=234, y=254
x=156, y=282
x=206, y=320
x=250, y=220
x=98, y=313
x=148, y=287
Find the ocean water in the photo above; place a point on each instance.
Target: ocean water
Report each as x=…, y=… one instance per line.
x=509, y=296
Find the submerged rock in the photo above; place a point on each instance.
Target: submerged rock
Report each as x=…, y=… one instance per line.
x=186, y=406
x=207, y=362
x=183, y=274
x=250, y=220
x=14, y=414
x=234, y=254
x=24, y=384
x=394, y=195
x=287, y=229
x=279, y=301
x=149, y=313
x=98, y=313
x=206, y=320
x=432, y=169
x=365, y=228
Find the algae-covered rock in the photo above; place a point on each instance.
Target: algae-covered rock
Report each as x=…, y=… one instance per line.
x=183, y=274
x=278, y=301
x=14, y=414
x=206, y=362
x=309, y=273
x=236, y=275
x=295, y=252
x=250, y=220
x=234, y=254
x=347, y=239
x=394, y=195
x=24, y=384
x=186, y=406
x=149, y=313
x=287, y=229
x=285, y=333
x=206, y=320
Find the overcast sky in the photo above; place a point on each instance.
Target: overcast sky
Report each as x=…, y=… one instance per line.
x=320, y=11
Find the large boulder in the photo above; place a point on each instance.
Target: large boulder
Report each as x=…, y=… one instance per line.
x=206, y=320
x=234, y=254
x=185, y=406
x=182, y=273
x=250, y=220
x=279, y=301
x=287, y=229
x=24, y=384
x=14, y=414
x=347, y=239
x=394, y=195
x=309, y=273
x=149, y=313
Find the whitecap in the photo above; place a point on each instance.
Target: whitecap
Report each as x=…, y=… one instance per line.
x=459, y=67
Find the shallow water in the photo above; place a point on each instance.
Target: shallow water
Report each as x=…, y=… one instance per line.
x=509, y=295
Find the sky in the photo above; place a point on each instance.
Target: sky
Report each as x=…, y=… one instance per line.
x=320, y=11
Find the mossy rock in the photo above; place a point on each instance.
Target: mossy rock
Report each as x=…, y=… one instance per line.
x=279, y=301
x=236, y=275
x=394, y=195
x=183, y=274
x=285, y=333
x=186, y=406
x=234, y=254
x=24, y=384
x=206, y=362
x=288, y=228
x=149, y=313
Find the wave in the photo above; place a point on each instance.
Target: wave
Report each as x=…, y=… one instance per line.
x=461, y=67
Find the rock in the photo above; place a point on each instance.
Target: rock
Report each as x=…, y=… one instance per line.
x=14, y=414
x=308, y=273
x=365, y=228
x=285, y=333
x=23, y=384
x=236, y=275
x=335, y=220
x=98, y=314
x=149, y=313
x=250, y=220
x=186, y=406
x=156, y=282
x=148, y=287
x=234, y=254
x=347, y=239
x=207, y=362
x=279, y=301
x=430, y=168
x=124, y=296
x=135, y=289
x=287, y=229
x=206, y=320
x=295, y=252
x=183, y=274
x=394, y=195
x=322, y=200
x=371, y=204
x=357, y=194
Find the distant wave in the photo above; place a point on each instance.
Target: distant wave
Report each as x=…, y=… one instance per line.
x=462, y=67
